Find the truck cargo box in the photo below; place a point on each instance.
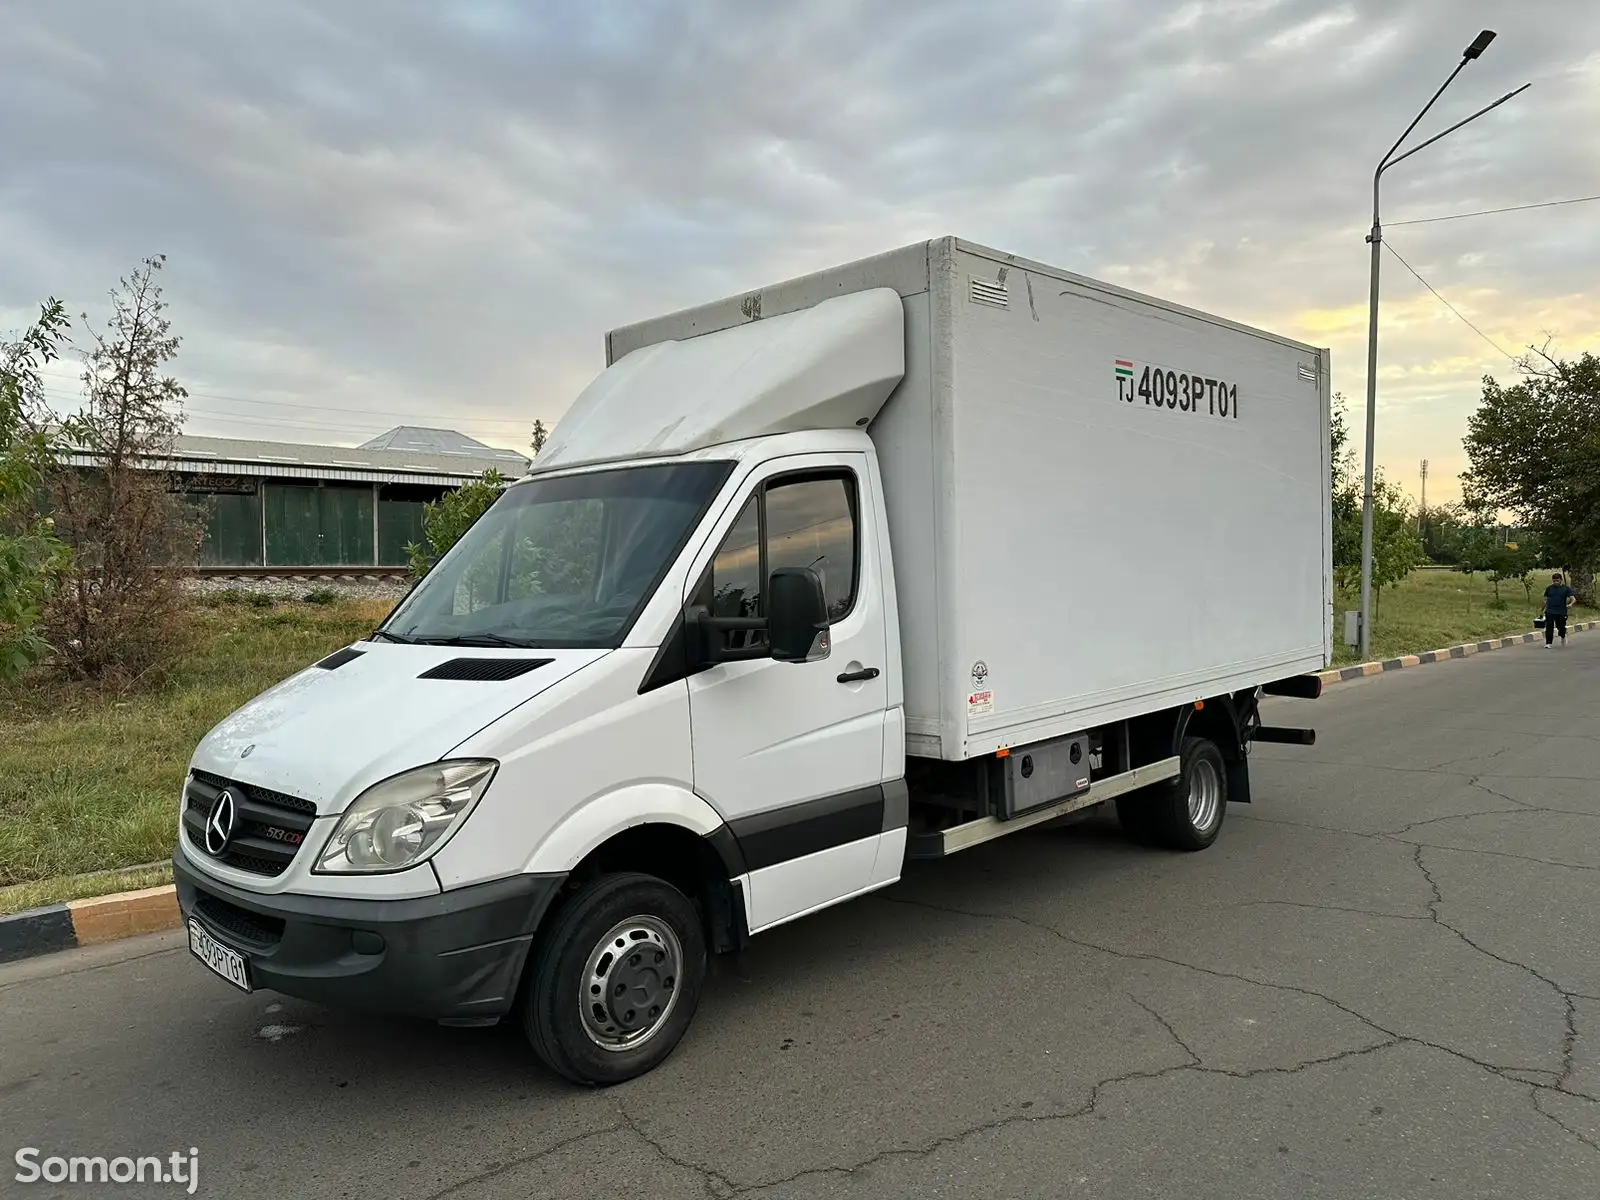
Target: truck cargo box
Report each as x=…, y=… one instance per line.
x=1100, y=504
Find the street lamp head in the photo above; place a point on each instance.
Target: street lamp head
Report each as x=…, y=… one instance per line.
x=1479, y=45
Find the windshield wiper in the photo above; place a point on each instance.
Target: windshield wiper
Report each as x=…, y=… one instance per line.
x=385, y=635
x=476, y=639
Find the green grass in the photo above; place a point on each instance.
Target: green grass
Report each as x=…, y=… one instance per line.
x=89, y=780
x=1433, y=609
x=23, y=896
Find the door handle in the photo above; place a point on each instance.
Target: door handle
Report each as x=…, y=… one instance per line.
x=861, y=676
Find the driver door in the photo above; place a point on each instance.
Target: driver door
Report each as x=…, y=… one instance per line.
x=792, y=753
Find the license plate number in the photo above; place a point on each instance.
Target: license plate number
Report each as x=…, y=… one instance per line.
x=229, y=964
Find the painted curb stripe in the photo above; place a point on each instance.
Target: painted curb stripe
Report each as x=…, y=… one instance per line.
x=37, y=931
x=1465, y=650
x=88, y=922
x=127, y=914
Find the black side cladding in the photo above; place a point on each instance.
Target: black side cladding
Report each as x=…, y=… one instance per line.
x=484, y=670
x=780, y=835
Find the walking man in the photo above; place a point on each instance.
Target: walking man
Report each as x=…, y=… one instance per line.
x=1556, y=598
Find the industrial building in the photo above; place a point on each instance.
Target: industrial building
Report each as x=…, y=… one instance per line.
x=287, y=504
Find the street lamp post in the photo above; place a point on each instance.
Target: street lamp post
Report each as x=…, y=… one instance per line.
x=1375, y=239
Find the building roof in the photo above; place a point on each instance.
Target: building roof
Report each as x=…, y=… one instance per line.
x=428, y=441
x=403, y=455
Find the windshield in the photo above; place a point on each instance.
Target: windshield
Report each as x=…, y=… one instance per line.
x=561, y=562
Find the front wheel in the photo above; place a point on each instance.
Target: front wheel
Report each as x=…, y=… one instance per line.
x=1187, y=812
x=616, y=980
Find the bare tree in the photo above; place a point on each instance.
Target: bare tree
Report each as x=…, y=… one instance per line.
x=120, y=610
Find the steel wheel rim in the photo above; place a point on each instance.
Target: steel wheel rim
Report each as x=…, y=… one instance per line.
x=630, y=983
x=1205, y=794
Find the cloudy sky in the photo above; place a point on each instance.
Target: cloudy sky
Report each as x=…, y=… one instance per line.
x=385, y=211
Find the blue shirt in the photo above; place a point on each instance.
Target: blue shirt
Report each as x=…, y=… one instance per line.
x=1556, y=598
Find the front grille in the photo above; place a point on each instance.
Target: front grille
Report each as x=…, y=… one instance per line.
x=252, y=929
x=268, y=830
x=292, y=803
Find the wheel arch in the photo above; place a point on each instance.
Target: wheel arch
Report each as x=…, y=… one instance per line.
x=1225, y=720
x=658, y=830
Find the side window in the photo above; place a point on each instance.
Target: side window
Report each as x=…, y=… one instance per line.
x=812, y=523
x=803, y=522
x=735, y=582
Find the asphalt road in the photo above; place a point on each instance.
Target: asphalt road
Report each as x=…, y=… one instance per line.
x=1383, y=981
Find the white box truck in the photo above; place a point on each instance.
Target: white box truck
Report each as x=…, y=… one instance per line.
x=880, y=563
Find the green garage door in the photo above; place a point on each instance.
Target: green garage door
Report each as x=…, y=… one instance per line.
x=399, y=525
x=319, y=526
x=232, y=530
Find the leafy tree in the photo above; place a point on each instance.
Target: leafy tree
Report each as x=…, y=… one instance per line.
x=120, y=610
x=1346, y=489
x=31, y=556
x=1396, y=549
x=444, y=521
x=1534, y=449
x=1508, y=566
x=1475, y=548
x=1442, y=528
x=540, y=436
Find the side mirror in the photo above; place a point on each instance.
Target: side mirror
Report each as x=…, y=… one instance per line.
x=797, y=615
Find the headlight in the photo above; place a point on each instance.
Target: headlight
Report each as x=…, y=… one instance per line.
x=400, y=822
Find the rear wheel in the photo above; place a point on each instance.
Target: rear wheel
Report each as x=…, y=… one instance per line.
x=1187, y=812
x=616, y=979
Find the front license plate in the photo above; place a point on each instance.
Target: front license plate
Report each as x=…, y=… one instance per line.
x=228, y=963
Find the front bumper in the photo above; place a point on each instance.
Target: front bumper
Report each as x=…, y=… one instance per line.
x=454, y=956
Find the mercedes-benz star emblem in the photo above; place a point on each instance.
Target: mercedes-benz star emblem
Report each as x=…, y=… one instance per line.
x=219, y=823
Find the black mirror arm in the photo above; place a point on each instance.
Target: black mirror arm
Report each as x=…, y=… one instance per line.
x=711, y=637
x=732, y=624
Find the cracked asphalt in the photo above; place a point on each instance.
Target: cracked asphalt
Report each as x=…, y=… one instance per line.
x=1383, y=981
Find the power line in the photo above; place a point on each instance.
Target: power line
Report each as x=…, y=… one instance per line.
x=1445, y=302
x=1489, y=212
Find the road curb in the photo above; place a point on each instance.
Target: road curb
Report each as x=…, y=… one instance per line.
x=87, y=922
x=1465, y=650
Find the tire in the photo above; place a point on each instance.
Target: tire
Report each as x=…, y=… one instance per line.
x=1164, y=815
x=588, y=1011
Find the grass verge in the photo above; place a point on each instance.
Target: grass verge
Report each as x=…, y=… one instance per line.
x=1433, y=609
x=89, y=779
x=22, y=896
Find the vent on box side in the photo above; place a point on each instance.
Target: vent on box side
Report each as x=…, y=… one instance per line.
x=1308, y=372
x=483, y=670
x=990, y=292
x=339, y=657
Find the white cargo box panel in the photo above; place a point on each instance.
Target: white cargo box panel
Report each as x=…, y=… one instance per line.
x=1100, y=504
x=1129, y=507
